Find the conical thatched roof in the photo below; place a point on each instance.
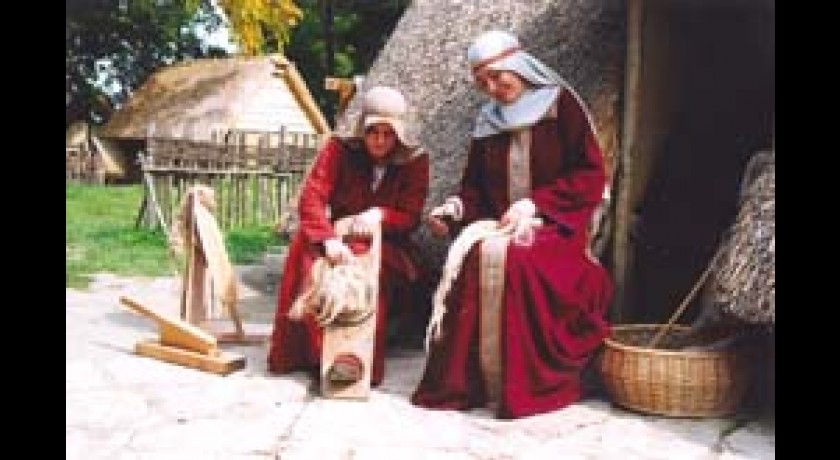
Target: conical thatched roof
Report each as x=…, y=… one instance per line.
x=243, y=93
x=425, y=58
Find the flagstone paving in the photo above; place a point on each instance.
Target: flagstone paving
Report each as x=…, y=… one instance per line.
x=123, y=406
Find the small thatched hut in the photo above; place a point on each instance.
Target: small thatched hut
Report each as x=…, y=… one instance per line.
x=81, y=137
x=198, y=97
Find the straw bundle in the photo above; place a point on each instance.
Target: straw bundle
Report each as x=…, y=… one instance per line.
x=743, y=282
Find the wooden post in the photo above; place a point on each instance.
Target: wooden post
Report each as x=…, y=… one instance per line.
x=623, y=253
x=194, y=298
x=345, y=87
x=150, y=206
x=297, y=85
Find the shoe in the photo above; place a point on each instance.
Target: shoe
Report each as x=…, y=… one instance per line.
x=346, y=368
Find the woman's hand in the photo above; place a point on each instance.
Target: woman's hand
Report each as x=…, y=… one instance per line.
x=364, y=223
x=439, y=217
x=337, y=252
x=518, y=211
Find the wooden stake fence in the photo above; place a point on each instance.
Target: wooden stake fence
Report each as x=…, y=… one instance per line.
x=253, y=173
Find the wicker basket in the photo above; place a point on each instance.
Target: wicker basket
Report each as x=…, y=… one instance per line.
x=671, y=382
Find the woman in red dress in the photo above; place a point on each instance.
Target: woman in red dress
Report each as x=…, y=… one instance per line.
x=376, y=177
x=526, y=311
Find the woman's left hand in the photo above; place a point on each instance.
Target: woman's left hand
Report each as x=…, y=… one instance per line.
x=522, y=209
x=365, y=223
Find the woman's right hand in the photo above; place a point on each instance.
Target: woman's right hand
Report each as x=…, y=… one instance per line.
x=437, y=226
x=337, y=252
x=438, y=219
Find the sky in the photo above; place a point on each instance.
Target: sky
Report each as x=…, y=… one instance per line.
x=220, y=37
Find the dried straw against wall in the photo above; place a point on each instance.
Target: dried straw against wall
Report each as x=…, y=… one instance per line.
x=744, y=280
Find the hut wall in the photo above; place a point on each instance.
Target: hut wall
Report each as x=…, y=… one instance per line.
x=271, y=107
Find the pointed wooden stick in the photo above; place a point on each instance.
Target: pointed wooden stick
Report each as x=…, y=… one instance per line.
x=664, y=329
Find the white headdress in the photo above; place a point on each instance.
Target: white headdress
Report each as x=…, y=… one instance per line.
x=500, y=50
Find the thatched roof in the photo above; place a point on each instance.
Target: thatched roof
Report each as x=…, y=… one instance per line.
x=76, y=134
x=243, y=93
x=744, y=279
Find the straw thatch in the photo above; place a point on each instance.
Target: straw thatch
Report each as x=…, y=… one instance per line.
x=744, y=281
x=205, y=95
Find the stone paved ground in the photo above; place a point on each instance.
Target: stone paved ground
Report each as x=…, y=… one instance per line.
x=123, y=406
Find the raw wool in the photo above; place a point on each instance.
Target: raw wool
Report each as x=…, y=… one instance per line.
x=744, y=280
x=206, y=197
x=343, y=292
x=521, y=233
x=197, y=207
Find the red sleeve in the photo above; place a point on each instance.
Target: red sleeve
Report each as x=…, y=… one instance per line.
x=404, y=215
x=573, y=197
x=470, y=193
x=316, y=191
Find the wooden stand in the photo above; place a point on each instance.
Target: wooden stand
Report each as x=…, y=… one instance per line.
x=357, y=339
x=198, y=303
x=182, y=343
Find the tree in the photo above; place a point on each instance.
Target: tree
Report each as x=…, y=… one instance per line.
x=261, y=26
x=113, y=46
x=340, y=38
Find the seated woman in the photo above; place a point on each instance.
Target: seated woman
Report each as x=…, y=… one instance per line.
x=375, y=177
x=524, y=310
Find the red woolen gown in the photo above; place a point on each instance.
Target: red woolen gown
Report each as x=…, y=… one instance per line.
x=516, y=338
x=341, y=180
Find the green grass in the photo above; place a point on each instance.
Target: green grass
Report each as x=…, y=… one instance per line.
x=101, y=237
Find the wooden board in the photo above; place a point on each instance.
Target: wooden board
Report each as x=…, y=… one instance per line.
x=222, y=363
x=357, y=339
x=175, y=332
x=224, y=334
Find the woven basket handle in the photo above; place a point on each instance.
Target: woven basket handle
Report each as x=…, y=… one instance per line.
x=665, y=327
